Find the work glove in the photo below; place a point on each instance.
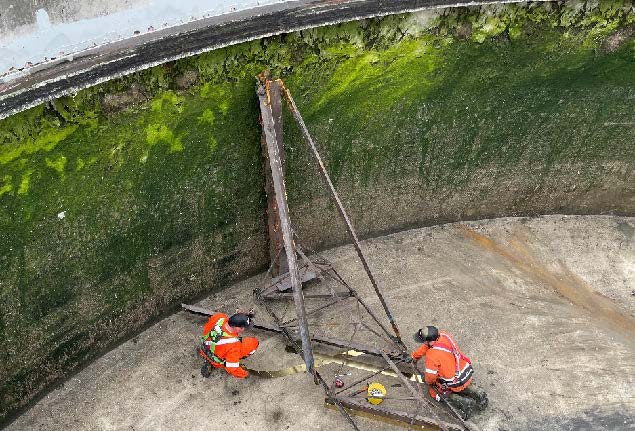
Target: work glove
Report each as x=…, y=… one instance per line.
x=406, y=358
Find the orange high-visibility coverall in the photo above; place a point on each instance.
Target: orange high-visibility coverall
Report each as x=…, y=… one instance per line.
x=447, y=368
x=230, y=348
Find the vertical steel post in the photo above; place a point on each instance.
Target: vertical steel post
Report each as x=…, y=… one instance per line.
x=285, y=225
x=276, y=243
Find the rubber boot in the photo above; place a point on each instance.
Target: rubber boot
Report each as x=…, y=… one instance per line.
x=205, y=372
x=464, y=405
x=477, y=395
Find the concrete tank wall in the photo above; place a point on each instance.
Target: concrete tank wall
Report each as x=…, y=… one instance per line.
x=132, y=196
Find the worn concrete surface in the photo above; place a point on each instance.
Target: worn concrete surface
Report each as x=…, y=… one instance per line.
x=545, y=307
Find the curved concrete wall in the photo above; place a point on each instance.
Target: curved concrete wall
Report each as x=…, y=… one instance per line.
x=65, y=74
x=133, y=195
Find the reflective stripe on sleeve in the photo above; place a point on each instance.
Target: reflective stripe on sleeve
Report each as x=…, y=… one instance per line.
x=227, y=341
x=429, y=371
x=232, y=364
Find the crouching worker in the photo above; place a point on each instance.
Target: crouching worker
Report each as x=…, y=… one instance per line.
x=448, y=371
x=222, y=345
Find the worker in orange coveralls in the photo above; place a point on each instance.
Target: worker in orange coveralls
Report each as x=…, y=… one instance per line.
x=448, y=371
x=222, y=344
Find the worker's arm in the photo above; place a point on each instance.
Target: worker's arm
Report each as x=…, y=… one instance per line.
x=420, y=352
x=232, y=363
x=431, y=373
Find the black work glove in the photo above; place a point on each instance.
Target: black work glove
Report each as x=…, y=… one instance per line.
x=406, y=358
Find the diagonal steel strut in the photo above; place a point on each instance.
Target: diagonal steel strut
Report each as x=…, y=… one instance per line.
x=349, y=226
x=285, y=225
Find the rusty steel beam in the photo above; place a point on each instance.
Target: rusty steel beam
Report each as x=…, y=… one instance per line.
x=308, y=295
x=280, y=329
x=285, y=224
x=276, y=242
x=397, y=415
x=338, y=203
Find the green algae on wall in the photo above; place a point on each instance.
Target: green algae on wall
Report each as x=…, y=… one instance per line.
x=105, y=225
x=446, y=125
x=121, y=201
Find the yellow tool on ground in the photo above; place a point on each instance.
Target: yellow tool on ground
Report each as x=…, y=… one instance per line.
x=376, y=393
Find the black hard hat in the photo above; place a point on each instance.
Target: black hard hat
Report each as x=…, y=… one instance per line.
x=429, y=333
x=240, y=320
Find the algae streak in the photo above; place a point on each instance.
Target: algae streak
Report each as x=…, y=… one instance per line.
x=120, y=202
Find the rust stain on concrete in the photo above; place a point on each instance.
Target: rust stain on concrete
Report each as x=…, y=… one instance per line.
x=563, y=281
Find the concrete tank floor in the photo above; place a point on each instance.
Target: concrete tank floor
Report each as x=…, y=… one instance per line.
x=545, y=307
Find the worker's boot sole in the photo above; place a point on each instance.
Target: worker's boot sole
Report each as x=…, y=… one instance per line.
x=481, y=401
x=464, y=405
x=480, y=397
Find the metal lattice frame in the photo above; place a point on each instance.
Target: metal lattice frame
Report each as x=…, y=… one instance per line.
x=303, y=268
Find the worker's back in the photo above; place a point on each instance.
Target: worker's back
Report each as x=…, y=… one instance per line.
x=453, y=368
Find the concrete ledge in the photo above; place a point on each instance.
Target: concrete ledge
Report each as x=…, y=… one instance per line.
x=73, y=73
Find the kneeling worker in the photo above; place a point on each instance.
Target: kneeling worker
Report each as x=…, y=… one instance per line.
x=222, y=344
x=448, y=371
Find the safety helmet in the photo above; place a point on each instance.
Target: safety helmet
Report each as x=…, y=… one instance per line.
x=240, y=320
x=429, y=333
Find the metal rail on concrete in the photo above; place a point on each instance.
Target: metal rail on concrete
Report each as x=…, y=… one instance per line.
x=327, y=341
x=417, y=419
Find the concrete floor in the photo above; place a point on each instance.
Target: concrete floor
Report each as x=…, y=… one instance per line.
x=545, y=308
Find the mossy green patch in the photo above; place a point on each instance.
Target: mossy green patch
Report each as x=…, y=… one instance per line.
x=6, y=184
x=24, y=183
x=207, y=117
x=57, y=165
x=168, y=100
x=156, y=133
x=28, y=145
x=212, y=143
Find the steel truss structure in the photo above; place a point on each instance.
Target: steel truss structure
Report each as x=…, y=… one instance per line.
x=292, y=274
x=365, y=346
